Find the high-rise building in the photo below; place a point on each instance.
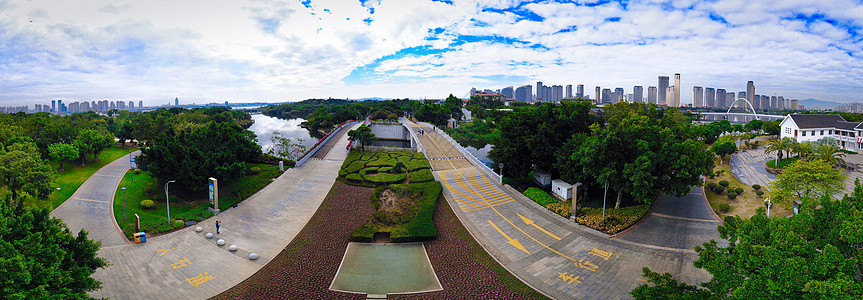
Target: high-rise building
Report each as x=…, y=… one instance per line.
x=539, y=91
x=750, y=94
x=54, y=106
x=697, y=96
x=774, y=103
x=720, y=98
x=176, y=101
x=670, y=95
x=606, y=96
x=508, y=92
x=472, y=91
x=568, y=91
x=710, y=97
x=618, y=94
x=677, y=88
x=637, y=93
x=524, y=93
x=651, y=94
x=140, y=104
x=579, y=91
x=557, y=93
x=598, y=96
x=794, y=104
x=663, y=90
x=60, y=107
x=131, y=105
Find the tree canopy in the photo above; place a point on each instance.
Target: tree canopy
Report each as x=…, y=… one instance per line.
x=362, y=135
x=23, y=170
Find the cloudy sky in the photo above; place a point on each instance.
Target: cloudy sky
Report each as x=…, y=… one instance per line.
x=242, y=51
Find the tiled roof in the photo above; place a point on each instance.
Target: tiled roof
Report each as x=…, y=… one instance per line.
x=846, y=125
x=819, y=121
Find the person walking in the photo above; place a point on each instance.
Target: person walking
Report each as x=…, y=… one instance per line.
x=218, y=224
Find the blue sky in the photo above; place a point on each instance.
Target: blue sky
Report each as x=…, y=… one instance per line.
x=243, y=51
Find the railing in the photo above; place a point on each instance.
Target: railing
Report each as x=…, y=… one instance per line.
x=483, y=167
x=308, y=155
x=414, y=136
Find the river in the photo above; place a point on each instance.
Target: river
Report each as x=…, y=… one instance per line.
x=265, y=126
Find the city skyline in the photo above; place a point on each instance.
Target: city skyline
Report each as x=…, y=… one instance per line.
x=271, y=52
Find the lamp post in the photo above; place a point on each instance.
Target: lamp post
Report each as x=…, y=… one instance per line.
x=767, y=202
x=604, y=196
x=124, y=204
x=168, y=201
x=500, y=165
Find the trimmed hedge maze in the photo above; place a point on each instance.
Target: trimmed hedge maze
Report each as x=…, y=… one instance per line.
x=381, y=168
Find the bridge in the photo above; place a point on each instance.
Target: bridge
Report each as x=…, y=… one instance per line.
x=737, y=117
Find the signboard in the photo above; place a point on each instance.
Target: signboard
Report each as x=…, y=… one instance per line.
x=213, y=193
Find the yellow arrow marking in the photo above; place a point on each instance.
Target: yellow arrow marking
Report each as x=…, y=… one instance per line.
x=511, y=241
x=531, y=222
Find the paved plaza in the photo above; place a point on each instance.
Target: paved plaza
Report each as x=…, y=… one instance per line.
x=185, y=264
x=554, y=255
x=748, y=167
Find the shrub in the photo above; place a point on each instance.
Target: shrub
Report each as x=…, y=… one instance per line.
x=732, y=195
x=417, y=164
x=354, y=177
x=719, y=189
x=711, y=185
x=355, y=166
x=724, y=183
x=392, y=117
x=711, y=175
x=738, y=191
x=137, y=172
x=724, y=207
x=147, y=204
x=616, y=219
x=756, y=187
x=385, y=178
x=178, y=224
x=564, y=209
x=364, y=234
x=539, y=196
x=759, y=193
x=254, y=170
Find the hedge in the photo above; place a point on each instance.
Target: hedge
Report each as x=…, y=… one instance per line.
x=417, y=164
x=355, y=166
x=421, y=175
x=724, y=207
x=616, y=219
x=385, y=178
x=539, y=196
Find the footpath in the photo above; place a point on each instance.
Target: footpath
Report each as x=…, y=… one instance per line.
x=556, y=256
x=185, y=264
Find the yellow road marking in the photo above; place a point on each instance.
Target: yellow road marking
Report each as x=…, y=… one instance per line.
x=511, y=241
x=531, y=222
x=484, y=207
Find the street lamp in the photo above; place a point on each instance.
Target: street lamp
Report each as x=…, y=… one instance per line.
x=167, y=200
x=124, y=204
x=767, y=202
x=500, y=165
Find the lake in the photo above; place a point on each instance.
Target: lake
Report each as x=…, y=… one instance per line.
x=265, y=126
x=481, y=153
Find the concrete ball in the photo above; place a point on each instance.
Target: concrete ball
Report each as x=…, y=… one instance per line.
x=199, y=229
x=253, y=256
x=233, y=248
x=209, y=235
x=220, y=242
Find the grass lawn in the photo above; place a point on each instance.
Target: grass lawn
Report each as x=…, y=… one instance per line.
x=74, y=175
x=186, y=207
x=746, y=203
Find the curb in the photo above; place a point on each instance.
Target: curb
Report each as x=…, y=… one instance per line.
x=639, y=221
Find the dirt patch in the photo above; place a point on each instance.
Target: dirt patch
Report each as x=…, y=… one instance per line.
x=395, y=208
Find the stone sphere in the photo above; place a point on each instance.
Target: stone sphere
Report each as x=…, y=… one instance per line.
x=221, y=242
x=209, y=235
x=253, y=256
x=199, y=229
x=233, y=248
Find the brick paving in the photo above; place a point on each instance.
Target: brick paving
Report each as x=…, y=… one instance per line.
x=748, y=167
x=554, y=255
x=185, y=264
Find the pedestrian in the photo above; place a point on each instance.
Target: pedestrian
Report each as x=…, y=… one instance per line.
x=218, y=223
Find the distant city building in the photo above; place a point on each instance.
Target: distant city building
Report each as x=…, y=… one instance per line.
x=637, y=94
x=568, y=91
x=741, y=104
x=54, y=106
x=598, y=97
x=540, y=91
x=618, y=94
x=720, y=99
x=651, y=94
x=131, y=105
x=794, y=104
x=663, y=90
x=176, y=101
x=579, y=92
x=670, y=95
x=730, y=97
x=556, y=93
x=472, y=92
x=523, y=93
x=140, y=104
x=677, y=88
x=508, y=92
x=750, y=94
x=697, y=96
x=710, y=97
x=606, y=96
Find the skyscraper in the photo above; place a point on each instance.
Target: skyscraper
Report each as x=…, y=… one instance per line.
x=539, y=91
x=507, y=92
x=651, y=94
x=663, y=90
x=568, y=91
x=677, y=88
x=54, y=106
x=750, y=94
x=741, y=104
x=794, y=104
x=720, y=99
x=710, y=97
x=697, y=96
x=598, y=97
x=579, y=91
x=131, y=105
x=670, y=94
x=176, y=101
x=637, y=93
x=606, y=96
x=618, y=94
x=140, y=104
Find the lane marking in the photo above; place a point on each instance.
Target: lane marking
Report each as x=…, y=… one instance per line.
x=91, y=200
x=511, y=241
x=531, y=222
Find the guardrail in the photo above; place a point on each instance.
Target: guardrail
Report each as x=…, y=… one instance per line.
x=482, y=166
x=414, y=136
x=321, y=143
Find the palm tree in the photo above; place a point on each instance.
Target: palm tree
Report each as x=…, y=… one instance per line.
x=804, y=149
x=779, y=146
x=831, y=154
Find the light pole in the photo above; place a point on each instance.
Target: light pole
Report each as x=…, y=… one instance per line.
x=500, y=165
x=767, y=202
x=124, y=204
x=168, y=201
x=605, y=195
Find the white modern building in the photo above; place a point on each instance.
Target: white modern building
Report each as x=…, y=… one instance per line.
x=810, y=128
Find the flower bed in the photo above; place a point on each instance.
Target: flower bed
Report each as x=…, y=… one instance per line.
x=615, y=219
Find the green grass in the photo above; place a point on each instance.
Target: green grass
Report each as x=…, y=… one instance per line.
x=376, y=168
x=410, y=227
x=421, y=175
x=539, y=196
x=782, y=164
x=74, y=175
x=156, y=220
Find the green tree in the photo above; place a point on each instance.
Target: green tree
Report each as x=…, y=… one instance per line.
x=779, y=146
x=723, y=148
x=803, y=149
x=807, y=179
x=830, y=153
x=754, y=125
x=772, y=127
x=125, y=133
x=23, y=170
x=286, y=147
x=362, y=135
x=61, y=152
x=42, y=259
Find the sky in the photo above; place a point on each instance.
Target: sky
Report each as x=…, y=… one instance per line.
x=203, y=51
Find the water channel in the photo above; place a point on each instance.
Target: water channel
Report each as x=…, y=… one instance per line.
x=265, y=126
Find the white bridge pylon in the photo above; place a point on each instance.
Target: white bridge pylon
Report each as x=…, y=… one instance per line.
x=747, y=102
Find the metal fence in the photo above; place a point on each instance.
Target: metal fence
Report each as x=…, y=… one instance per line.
x=320, y=144
x=414, y=136
x=482, y=166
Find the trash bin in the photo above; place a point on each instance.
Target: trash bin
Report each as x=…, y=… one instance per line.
x=143, y=236
x=137, y=237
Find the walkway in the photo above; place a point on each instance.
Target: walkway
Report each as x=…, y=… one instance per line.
x=186, y=265
x=91, y=207
x=552, y=254
x=748, y=167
